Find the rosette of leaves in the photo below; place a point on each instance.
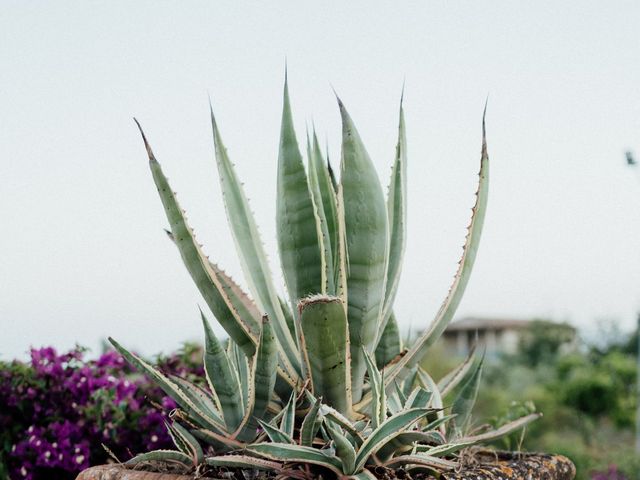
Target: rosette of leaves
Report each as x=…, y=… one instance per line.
x=320, y=378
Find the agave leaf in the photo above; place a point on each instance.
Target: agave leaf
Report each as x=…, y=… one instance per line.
x=251, y=252
x=168, y=386
x=466, y=397
x=390, y=344
x=288, y=316
x=409, y=382
x=344, y=450
x=240, y=329
x=379, y=402
x=264, y=378
x=451, y=380
x=275, y=434
x=311, y=424
x=363, y=475
x=206, y=402
x=436, y=399
x=402, y=444
x=299, y=228
x=325, y=199
x=177, y=440
x=242, y=461
x=505, y=429
x=296, y=454
x=221, y=442
x=288, y=421
x=394, y=404
x=325, y=346
x=420, y=397
x=451, y=302
x=367, y=238
x=189, y=441
x=441, y=450
x=388, y=430
x=222, y=378
x=397, y=212
x=342, y=257
x=422, y=460
x=171, y=456
x=241, y=366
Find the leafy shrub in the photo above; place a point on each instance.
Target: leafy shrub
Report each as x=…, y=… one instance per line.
x=58, y=409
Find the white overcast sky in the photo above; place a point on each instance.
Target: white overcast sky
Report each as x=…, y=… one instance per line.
x=83, y=254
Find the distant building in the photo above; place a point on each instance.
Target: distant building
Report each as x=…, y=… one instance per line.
x=497, y=335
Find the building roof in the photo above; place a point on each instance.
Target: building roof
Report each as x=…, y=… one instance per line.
x=477, y=323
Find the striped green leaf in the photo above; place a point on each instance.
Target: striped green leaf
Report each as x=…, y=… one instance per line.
x=275, y=434
x=168, y=386
x=451, y=302
x=466, y=397
x=451, y=380
x=379, y=400
x=296, y=454
x=169, y=456
x=299, y=227
x=240, y=329
x=240, y=364
x=264, y=378
x=242, y=461
x=367, y=243
x=311, y=424
x=325, y=345
x=188, y=441
x=344, y=449
x=253, y=259
x=288, y=421
x=502, y=431
x=420, y=459
x=397, y=212
x=388, y=430
x=222, y=378
x=390, y=344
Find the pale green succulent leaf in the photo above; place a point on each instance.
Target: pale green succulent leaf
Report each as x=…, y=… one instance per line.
x=297, y=454
x=263, y=373
x=288, y=421
x=451, y=380
x=240, y=329
x=325, y=345
x=420, y=459
x=397, y=212
x=222, y=378
x=420, y=397
x=379, y=402
x=169, y=456
x=502, y=431
x=168, y=386
x=189, y=441
x=240, y=364
x=311, y=424
x=253, y=259
x=345, y=451
x=242, y=461
x=451, y=302
x=200, y=397
x=298, y=224
x=466, y=397
x=367, y=245
x=390, y=344
x=388, y=430
x=274, y=433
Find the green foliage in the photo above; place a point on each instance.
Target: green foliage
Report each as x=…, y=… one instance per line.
x=326, y=369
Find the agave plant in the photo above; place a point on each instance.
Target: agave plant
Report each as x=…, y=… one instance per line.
x=320, y=379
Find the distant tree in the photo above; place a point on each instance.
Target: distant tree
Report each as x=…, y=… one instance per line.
x=544, y=341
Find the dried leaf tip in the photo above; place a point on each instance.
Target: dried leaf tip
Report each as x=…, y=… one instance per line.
x=152, y=158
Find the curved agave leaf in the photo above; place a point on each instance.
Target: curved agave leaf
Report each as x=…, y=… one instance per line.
x=390, y=429
x=379, y=401
x=325, y=346
x=367, y=239
x=419, y=398
x=222, y=378
x=324, y=196
x=171, y=456
x=222, y=442
x=264, y=378
x=451, y=380
x=168, y=386
x=450, y=304
x=299, y=229
x=253, y=259
x=287, y=423
x=344, y=449
x=275, y=434
x=188, y=442
x=240, y=329
x=311, y=424
x=504, y=430
x=242, y=461
x=240, y=364
x=204, y=400
x=422, y=460
x=296, y=454
x=466, y=398
x=390, y=344
x=397, y=212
